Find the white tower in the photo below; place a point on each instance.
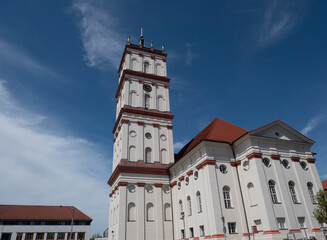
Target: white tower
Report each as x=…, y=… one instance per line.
x=140, y=200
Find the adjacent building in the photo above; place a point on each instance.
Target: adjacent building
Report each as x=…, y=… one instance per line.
x=227, y=182
x=27, y=222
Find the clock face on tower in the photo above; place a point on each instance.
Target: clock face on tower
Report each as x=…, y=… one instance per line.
x=147, y=88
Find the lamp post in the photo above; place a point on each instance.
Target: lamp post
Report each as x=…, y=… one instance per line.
x=71, y=227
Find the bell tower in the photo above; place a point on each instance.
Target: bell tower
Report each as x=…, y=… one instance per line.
x=140, y=201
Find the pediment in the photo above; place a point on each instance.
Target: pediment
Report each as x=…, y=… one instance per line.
x=280, y=130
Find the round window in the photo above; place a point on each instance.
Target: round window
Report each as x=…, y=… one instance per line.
x=165, y=189
x=131, y=188
x=149, y=188
x=196, y=175
x=187, y=180
x=179, y=185
x=148, y=135
x=163, y=137
x=286, y=164
x=223, y=168
x=304, y=165
x=266, y=162
x=132, y=133
x=246, y=165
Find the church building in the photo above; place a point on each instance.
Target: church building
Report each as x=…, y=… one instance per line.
x=226, y=183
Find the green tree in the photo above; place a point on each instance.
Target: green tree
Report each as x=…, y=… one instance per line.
x=320, y=212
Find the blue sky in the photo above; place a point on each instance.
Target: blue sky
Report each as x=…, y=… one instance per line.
x=247, y=62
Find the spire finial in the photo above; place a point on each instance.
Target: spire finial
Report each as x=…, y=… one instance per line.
x=141, y=42
x=141, y=32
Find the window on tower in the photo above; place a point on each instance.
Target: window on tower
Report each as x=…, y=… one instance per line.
x=148, y=155
x=147, y=101
x=146, y=67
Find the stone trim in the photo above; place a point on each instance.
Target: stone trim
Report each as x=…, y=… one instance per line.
x=275, y=157
x=295, y=230
x=271, y=232
x=254, y=155
x=235, y=164
x=295, y=159
x=189, y=173
x=311, y=160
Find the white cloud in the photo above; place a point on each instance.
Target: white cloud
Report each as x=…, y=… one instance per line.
x=190, y=54
x=179, y=145
x=279, y=20
x=11, y=55
x=313, y=123
x=38, y=167
x=102, y=42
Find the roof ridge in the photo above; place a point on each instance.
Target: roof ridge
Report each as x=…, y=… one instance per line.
x=214, y=122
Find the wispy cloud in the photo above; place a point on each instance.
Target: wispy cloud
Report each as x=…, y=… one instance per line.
x=190, y=54
x=49, y=169
x=179, y=145
x=312, y=124
x=11, y=55
x=279, y=20
x=102, y=42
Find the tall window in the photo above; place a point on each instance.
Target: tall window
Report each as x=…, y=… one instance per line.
x=272, y=190
x=148, y=155
x=227, y=199
x=281, y=223
x=146, y=67
x=191, y=233
x=167, y=212
x=132, y=153
x=189, y=206
x=291, y=186
x=231, y=227
x=19, y=236
x=29, y=236
x=150, y=212
x=160, y=103
x=133, y=64
x=61, y=236
x=252, y=194
x=198, y=199
x=310, y=190
x=163, y=156
x=50, y=236
x=81, y=236
x=72, y=236
x=132, y=99
x=301, y=222
x=182, y=234
x=147, y=101
x=180, y=207
x=202, y=231
x=131, y=212
x=157, y=69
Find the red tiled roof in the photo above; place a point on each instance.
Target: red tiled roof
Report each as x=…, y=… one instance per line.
x=218, y=130
x=29, y=212
x=324, y=184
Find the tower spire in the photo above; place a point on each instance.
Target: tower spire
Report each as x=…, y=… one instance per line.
x=141, y=42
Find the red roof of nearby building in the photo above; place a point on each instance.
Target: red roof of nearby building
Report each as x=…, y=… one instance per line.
x=219, y=131
x=29, y=212
x=324, y=185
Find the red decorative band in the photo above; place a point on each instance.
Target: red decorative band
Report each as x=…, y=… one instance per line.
x=235, y=164
x=169, y=127
x=140, y=123
x=254, y=155
x=295, y=159
x=275, y=157
x=196, y=238
x=155, y=125
x=158, y=185
x=189, y=173
x=140, y=81
x=271, y=232
x=181, y=178
x=208, y=162
x=115, y=188
x=247, y=234
x=140, y=184
x=316, y=230
x=154, y=84
x=110, y=195
x=173, y=184
x=166, y=86
x=295, y=230
x=198, y=167
x=311, y=160
x=124, y=121
x=122, y=183
x=214, y=236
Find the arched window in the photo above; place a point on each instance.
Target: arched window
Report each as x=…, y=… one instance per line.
x=132, y=99
x=311, y=193
x=189, y=205
x=132, y=154
x=252, y=194
x=158, y=69
x=291, y=186
x=131, y=212
x=147, y=101
x=272, y=190
x=133, y=64
x=198, y=199
x=163, y=156
x=167, y=212
x=146, y=67
x=180, y=207
x=148, y=155
x=161, y=104
x=149, y=212
x=227, y=199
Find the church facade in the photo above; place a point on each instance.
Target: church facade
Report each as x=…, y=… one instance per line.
x=227, y=182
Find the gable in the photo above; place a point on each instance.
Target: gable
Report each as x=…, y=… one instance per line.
x=280, y=130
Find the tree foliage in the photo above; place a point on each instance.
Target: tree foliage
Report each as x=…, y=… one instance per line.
x=320, y=212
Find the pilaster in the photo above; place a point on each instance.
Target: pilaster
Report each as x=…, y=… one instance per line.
x=159, y=213
x=140, y=211
x=122, y=212
x=140, y=141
